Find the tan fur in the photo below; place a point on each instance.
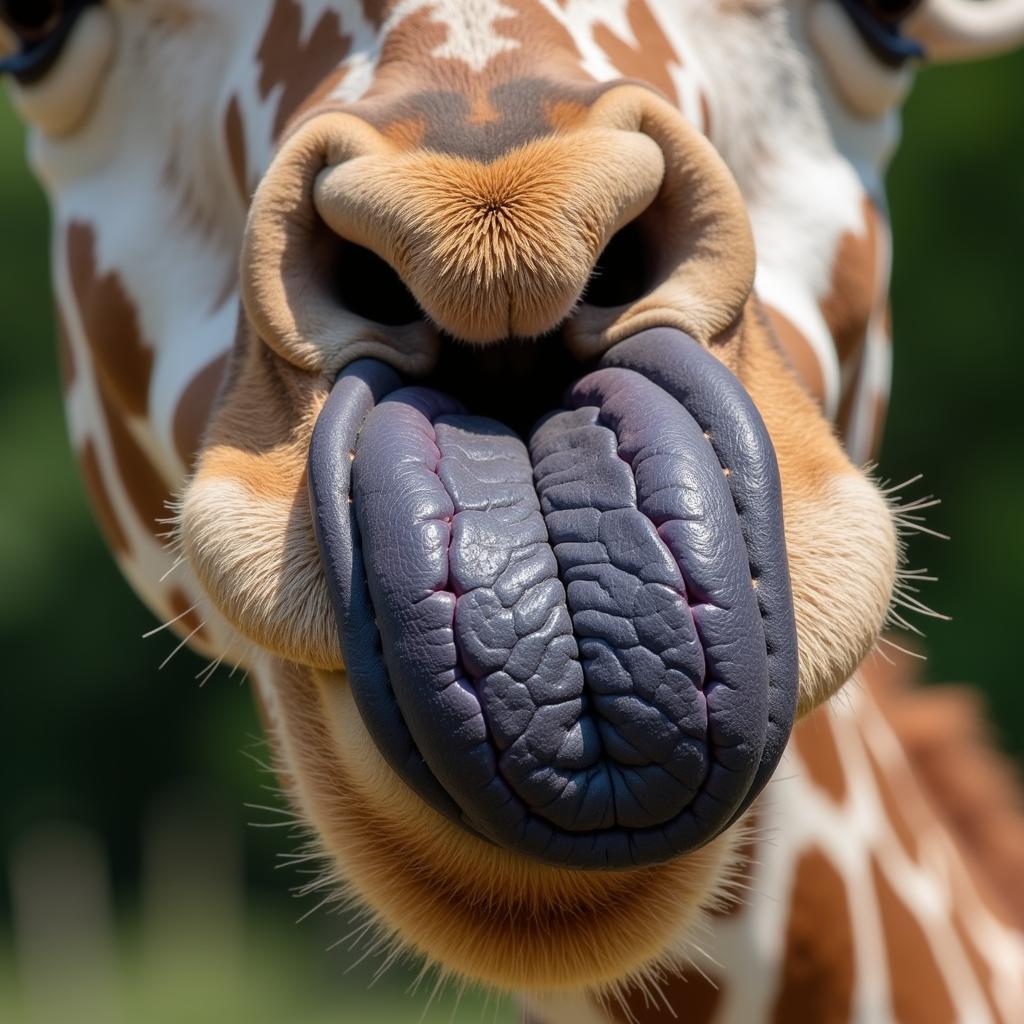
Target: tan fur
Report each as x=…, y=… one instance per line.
x=840, y=535
x=246, y=526
x=471, y=907
x=8, y=42
x=495, y=250
x=699, y=231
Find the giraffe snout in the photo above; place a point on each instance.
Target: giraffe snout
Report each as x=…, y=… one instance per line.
x=501, y=249
x=360, y=243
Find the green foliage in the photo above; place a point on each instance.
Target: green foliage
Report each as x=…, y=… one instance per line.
x=957, y=197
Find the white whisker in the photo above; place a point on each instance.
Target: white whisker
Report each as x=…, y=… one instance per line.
x=169, y=622
x=177, y=562
x=903, y=650
x=163, y=663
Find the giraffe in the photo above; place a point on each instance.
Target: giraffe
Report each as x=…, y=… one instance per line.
x=181, y=141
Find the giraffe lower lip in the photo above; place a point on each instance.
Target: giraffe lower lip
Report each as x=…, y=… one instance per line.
x=558, y=643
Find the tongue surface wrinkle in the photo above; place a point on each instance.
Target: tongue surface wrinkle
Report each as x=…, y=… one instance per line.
x=561, y=647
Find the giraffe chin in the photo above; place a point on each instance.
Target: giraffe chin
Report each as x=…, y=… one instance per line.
x=575, y=643
x=481, y=912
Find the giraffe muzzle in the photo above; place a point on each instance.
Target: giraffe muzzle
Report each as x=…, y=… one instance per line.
x=576, y=641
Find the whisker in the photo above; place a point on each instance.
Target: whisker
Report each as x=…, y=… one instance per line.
x=921, y=528
x=903, y=650
x=312, y=910
x=272, y=810
x=914, y=605
x=163, y=663
x=917, y=504
x=890, y=488
x=177, y=562
x=170, y=622
x=206, y=674
x=899, y=620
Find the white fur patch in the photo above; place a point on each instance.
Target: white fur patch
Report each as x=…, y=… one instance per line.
x=472, y=37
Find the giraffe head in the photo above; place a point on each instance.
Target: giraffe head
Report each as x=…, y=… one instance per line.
x=523, y=516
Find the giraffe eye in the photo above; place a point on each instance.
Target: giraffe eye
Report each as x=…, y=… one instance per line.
x=891, y=10
x=31, y=19
x=878, y=22
x=42, y=27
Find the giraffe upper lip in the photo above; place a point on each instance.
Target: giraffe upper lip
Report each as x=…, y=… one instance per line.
x=561, y=648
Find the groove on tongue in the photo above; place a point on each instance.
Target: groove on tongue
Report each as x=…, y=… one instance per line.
x=571, y=634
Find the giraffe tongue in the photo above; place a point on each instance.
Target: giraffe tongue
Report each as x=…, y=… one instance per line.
x=559, y=644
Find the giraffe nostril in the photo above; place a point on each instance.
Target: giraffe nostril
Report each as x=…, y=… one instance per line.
x=358, y=280
x=366, y=285
x=623, y=272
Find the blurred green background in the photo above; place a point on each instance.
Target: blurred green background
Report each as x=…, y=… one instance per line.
x=95, y=738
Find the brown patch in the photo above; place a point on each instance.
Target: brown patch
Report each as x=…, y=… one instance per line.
x=849, y=395
x=652, y=55
x=146, y=489
x=124, y=361
x=853, y=294
x=818, y=965
x=973, y=790
x=194, y=407
x=477, y=114
x=919, y=990
x=705, y=115
x=102, y=505
x=234, y=137
x=187, y=623
x=482, y=110
x=879, y=413
x=298, y=67
x=406, y=134
x=374, y=11
x=693, y=998
x=563, y=115
x=815, y=742
x=65, y=357
x=799, y=354
x=327, y=85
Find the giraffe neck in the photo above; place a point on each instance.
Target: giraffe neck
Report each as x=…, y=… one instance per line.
x=856, y=901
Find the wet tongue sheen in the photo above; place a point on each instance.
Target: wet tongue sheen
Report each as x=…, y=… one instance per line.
x=561, y=645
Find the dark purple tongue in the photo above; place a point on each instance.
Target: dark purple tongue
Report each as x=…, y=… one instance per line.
x=583, y=651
